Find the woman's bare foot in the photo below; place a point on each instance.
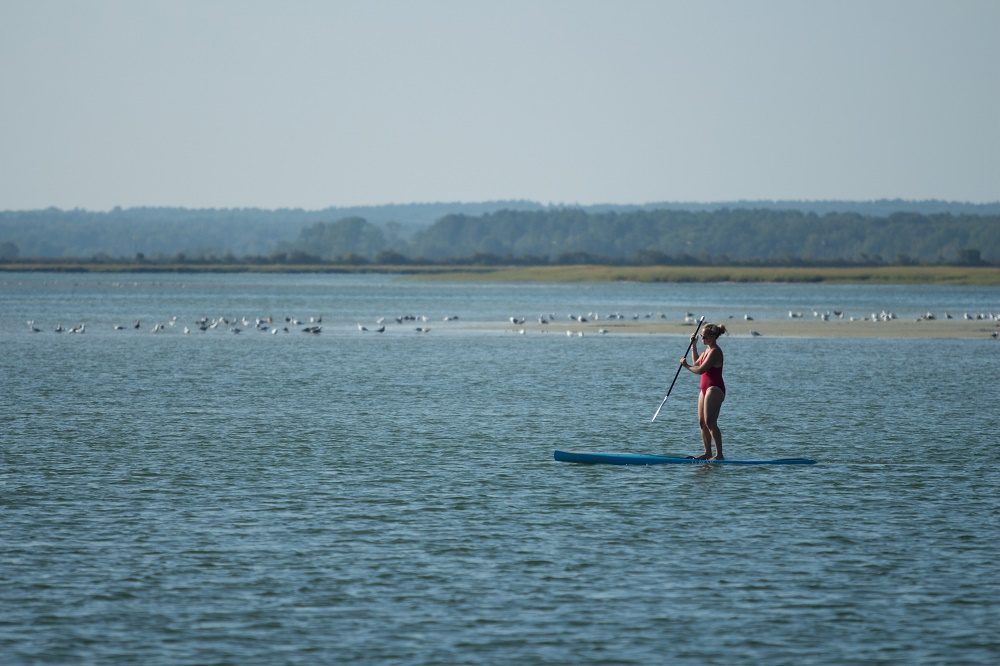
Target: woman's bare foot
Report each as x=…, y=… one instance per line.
x=704, y=456
x=718, y=457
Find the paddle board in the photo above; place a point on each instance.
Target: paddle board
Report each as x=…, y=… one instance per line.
x=636, y=459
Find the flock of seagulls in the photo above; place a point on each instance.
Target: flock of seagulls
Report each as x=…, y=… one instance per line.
x=380, y=322
x=237, y=325
x=314, y=326
x=593, y=317
x=890, y=316
x=82, y=328
x=689, y=318
x=550, y=318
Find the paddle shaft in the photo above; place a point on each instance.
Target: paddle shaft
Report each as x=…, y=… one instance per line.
x=677, y=374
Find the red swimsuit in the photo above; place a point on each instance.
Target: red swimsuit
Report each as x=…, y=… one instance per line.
x=711, y=377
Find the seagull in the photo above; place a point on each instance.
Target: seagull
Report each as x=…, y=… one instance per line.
x=380, y=329
x=754, y=333
x=361, y=328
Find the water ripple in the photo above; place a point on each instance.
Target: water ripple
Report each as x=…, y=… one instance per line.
x=335, y=499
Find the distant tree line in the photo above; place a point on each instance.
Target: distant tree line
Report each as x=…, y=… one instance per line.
x=520, y=232
x=161, y=233
x=664, y=237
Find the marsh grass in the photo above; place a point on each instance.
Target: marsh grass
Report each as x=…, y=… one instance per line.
x=879, y=274
x=958, y=275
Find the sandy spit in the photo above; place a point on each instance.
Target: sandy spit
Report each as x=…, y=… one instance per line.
x=793, y=328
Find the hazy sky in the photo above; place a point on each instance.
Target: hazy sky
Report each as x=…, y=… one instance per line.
x=242, y=103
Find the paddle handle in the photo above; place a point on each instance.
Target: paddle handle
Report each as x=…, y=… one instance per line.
x=676, y=374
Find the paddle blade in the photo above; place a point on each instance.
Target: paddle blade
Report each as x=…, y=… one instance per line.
x=662, y=402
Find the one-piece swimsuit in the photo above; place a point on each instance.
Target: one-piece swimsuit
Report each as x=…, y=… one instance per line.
x=711, y=377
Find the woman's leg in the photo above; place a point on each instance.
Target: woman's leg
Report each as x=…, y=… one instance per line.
x=706, y=434
x=710, y=404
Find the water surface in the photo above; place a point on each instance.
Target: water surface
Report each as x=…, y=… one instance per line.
x=348, y=497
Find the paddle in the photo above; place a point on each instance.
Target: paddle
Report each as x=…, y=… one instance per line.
x=700, y=322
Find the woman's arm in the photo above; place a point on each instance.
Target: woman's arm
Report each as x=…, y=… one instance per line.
x=705, y=365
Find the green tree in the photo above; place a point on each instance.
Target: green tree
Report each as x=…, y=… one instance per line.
x=9, y=250
x=351, y=236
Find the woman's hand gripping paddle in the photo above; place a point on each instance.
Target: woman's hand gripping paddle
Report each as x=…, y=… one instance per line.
x=700, y=322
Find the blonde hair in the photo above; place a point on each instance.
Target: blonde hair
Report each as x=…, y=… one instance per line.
x=715, y=330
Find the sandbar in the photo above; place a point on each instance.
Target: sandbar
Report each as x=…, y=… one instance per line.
x=791, y=328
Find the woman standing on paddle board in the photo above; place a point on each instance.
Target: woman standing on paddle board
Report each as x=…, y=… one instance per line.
x=708, y=364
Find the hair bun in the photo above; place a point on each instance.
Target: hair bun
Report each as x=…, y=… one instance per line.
x=715, y=329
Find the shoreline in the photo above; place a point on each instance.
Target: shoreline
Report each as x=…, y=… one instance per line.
x=913, y=275
x=904, y=275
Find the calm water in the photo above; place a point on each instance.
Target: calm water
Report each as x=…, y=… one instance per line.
x=216, y=498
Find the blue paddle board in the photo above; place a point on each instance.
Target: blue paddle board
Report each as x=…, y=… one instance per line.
x=636, y=459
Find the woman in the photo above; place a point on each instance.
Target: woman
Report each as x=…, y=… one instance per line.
x=713, y=390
